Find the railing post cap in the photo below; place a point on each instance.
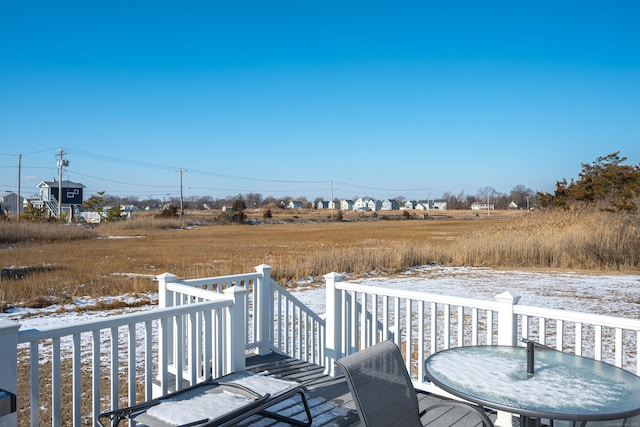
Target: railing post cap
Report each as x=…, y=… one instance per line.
x=507, y=297
x=167, y=277
x=235, y=290
x=263, y=267
x=333, y=276
x=8, y=326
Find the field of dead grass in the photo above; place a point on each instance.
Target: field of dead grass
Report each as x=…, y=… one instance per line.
x=123, y=257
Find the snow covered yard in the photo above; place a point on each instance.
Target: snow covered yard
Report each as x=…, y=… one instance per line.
x=616, y=295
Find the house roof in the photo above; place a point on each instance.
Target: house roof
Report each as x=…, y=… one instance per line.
x=66, y=184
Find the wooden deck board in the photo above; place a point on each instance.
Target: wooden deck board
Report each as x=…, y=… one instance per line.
x=329, y=398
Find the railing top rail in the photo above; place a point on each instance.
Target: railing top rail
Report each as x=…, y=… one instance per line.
x=196, y=292
x=297, y=302
x=579, y=317
x=57, y=331
x=420, y=296
x=220, y=279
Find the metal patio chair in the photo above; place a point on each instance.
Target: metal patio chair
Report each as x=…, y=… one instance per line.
x=383, y=392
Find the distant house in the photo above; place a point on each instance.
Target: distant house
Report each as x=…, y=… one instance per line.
x=361, y=204
x=322, y=204
x=346, y=205
x=71, y=193
x=294, y=204
x=374, y=205
x=513, y=205
x=439, y=205
x=9, y=203
x=409, y=205
x=482, y=206
x=389, y=205
x=432, y=205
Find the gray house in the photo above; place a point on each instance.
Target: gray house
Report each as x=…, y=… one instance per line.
x=10, y=203
x=389, y=205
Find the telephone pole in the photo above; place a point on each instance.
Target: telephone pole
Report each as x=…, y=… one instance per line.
x=332, y=202
x=61, y=162
x=18, y=204
x=181, y=202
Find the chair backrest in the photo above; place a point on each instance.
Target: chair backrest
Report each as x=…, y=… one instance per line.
x=381, y=387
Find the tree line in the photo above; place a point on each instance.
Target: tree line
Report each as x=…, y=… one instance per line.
x=606, y=184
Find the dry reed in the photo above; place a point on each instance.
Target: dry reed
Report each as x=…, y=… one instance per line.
x=124, y=257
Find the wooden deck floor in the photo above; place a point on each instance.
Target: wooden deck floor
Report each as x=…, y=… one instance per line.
x=329, y=398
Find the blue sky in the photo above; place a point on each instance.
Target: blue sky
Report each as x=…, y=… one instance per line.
x=383, y=99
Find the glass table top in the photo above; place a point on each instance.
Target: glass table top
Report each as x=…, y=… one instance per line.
x=563, y=386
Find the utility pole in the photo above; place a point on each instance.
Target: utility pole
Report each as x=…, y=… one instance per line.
x=61, y=163
x=488, y=205
x=332, y=202
x=18, y=200
x=181, y=202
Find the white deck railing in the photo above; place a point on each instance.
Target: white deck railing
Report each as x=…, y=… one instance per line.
x=205, y=326
x=422, y=324
x=130, y=358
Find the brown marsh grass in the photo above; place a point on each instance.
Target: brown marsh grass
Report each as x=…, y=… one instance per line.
x=123, y=257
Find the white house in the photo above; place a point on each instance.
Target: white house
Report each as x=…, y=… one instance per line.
x=409, y=205
x=294, y=204
x=374, y=205
x=439, y=205
x=482, y=206
x=346, y=205
x=361, y=204
x=432, y=205
x=10, y=204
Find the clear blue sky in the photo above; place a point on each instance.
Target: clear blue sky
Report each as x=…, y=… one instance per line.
x=281, y=98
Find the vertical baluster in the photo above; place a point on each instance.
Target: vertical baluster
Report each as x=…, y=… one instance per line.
x=95, y=369
x=76, y=379
x=559, y=335
x=192, y=343
x=114, y=367
x=474, y=326
x=578, y=338
x=597, y=345
x=447, y=326
x=490, y=328
x=460, y=326
x=434, y=327
x=34, y=382
x=132, y=363
x=524, y=325
x=148, y=360
x=374, y=318
x=408, y=335
x=618, y=348
x=421, y=355
x=542, y=338
x=396, y=324
x=363, y=322
x=55, y=382
x=385, y=317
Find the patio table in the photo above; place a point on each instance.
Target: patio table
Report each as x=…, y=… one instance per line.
x=558, y=386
